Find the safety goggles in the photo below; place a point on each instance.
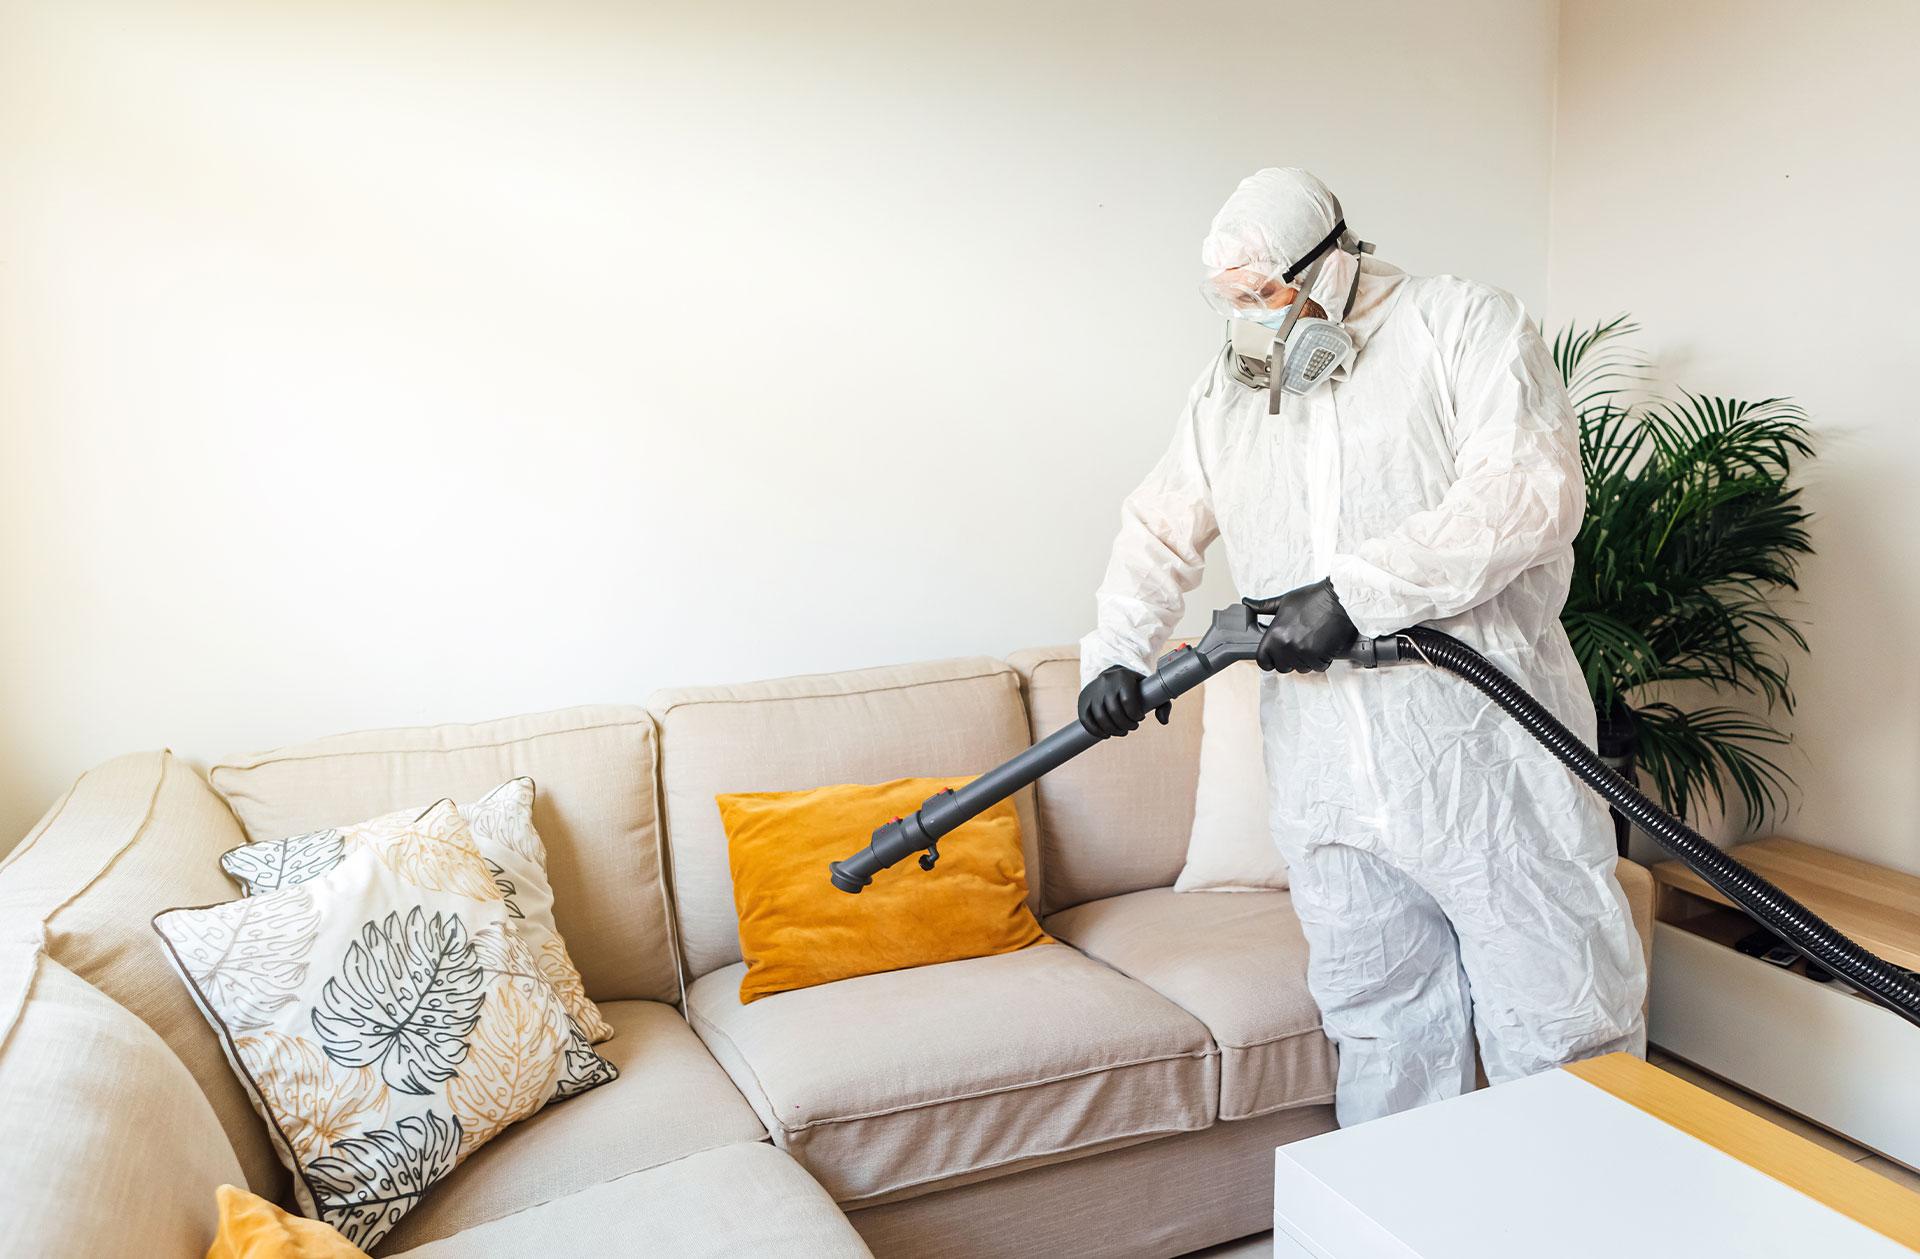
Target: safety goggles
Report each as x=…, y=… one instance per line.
x=1256, y=289
x=1246, y=292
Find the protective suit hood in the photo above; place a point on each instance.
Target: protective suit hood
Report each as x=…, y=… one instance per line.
x=1276, y=215
x=1288, y=274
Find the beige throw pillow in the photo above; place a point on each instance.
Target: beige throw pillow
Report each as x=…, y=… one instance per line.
x=384, y=1016
x=1231, y=847
x=502, y=826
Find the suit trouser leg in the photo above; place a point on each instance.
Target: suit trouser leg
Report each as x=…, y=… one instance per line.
x=1384, y=966
x=1554, y=963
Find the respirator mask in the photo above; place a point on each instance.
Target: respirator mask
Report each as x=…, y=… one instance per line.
x=1290, y=349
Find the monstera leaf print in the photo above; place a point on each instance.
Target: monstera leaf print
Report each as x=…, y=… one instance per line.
x=406, y=998
x=435, y=851
x=246, y=957
x=503, y=955
x=366, y=1183
x=504, y=886
x=558, y=969
x=280, y=863
x=582, y=1068
x=504, y=816
x=317, y=1101
x=512, y=1059
x=506, y=955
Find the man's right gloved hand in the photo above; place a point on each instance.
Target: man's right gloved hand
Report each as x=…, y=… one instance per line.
x=1110, y=705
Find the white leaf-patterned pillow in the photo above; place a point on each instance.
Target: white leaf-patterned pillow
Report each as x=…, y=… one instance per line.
x=502, y=826
x=385, y=1015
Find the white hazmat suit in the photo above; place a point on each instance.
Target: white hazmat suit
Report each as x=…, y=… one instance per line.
x=1450, y=875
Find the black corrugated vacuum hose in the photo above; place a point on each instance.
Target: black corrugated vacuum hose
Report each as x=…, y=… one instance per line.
x=1780, y=913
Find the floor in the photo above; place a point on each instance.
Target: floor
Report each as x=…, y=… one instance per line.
x=1247, y=1247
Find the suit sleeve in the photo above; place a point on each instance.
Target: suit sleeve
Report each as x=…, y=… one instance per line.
x=1518, y=493
x=1166, y=526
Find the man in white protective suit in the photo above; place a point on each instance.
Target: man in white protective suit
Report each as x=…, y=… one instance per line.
x=1383, y=450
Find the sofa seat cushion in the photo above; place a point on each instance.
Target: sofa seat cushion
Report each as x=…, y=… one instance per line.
x=892, y=1084
x=1237, y=962
x=736, y=1200
x=672, y=1099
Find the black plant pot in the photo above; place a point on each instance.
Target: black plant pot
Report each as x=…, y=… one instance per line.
x=1618, y=740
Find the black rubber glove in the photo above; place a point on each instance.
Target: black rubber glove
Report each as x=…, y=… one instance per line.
x=1110, y=705
x=1308, y=630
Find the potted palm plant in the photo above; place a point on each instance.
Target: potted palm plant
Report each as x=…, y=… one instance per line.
x=1693, y=530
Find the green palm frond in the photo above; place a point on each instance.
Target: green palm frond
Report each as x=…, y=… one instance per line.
x=1595, y=365
x=1693, y=530
x=1725, y=436
x=1607, y=648
x=1688, y=756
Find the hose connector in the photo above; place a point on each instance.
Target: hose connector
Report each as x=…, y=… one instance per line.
x=1371, y=653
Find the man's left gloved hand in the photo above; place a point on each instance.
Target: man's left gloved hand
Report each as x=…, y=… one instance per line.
x=1309, y=629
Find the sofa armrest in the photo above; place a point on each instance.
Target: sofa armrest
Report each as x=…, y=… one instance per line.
x=132, y=837
x=111, y=1147
x=1637, y=882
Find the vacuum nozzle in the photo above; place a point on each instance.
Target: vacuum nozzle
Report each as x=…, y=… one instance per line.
x=891, y=843
x=846, y=878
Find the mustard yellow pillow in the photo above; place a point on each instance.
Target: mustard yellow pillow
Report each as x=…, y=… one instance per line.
x=798, y=930
x=253, y=1228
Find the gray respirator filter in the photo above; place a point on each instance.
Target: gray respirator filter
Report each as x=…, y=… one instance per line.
x=1313, y=350
x=1298, y=356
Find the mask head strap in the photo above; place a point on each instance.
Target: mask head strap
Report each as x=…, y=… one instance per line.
x=1353, y=290
x=1327, y=242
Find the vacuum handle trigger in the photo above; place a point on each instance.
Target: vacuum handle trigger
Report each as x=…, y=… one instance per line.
x=1365, y=653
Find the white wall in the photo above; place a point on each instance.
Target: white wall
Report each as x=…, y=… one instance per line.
x=1742, y=176
x=364, y=365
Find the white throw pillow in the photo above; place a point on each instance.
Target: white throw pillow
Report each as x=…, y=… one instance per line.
x=502, y=825
x=384, y=1017
x=1231, y=848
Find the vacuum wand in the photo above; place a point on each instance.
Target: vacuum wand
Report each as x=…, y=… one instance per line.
x=1234, y=636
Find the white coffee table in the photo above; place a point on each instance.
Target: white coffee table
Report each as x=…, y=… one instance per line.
x=1605, y=1158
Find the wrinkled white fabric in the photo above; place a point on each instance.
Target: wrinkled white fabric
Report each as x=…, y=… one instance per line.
x=1329, y=288
x=1275, y=216
x=1451, y=876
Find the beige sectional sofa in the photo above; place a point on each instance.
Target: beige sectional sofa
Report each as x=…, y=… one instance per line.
x=1118, y=1093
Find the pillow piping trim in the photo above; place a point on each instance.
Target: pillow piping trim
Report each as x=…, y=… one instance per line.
x=228, y=1046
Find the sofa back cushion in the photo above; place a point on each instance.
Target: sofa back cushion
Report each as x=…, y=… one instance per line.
x=594, y=772
x=135, y=836
x=111, y=1147
x=933, y=720
x=1115, y=819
